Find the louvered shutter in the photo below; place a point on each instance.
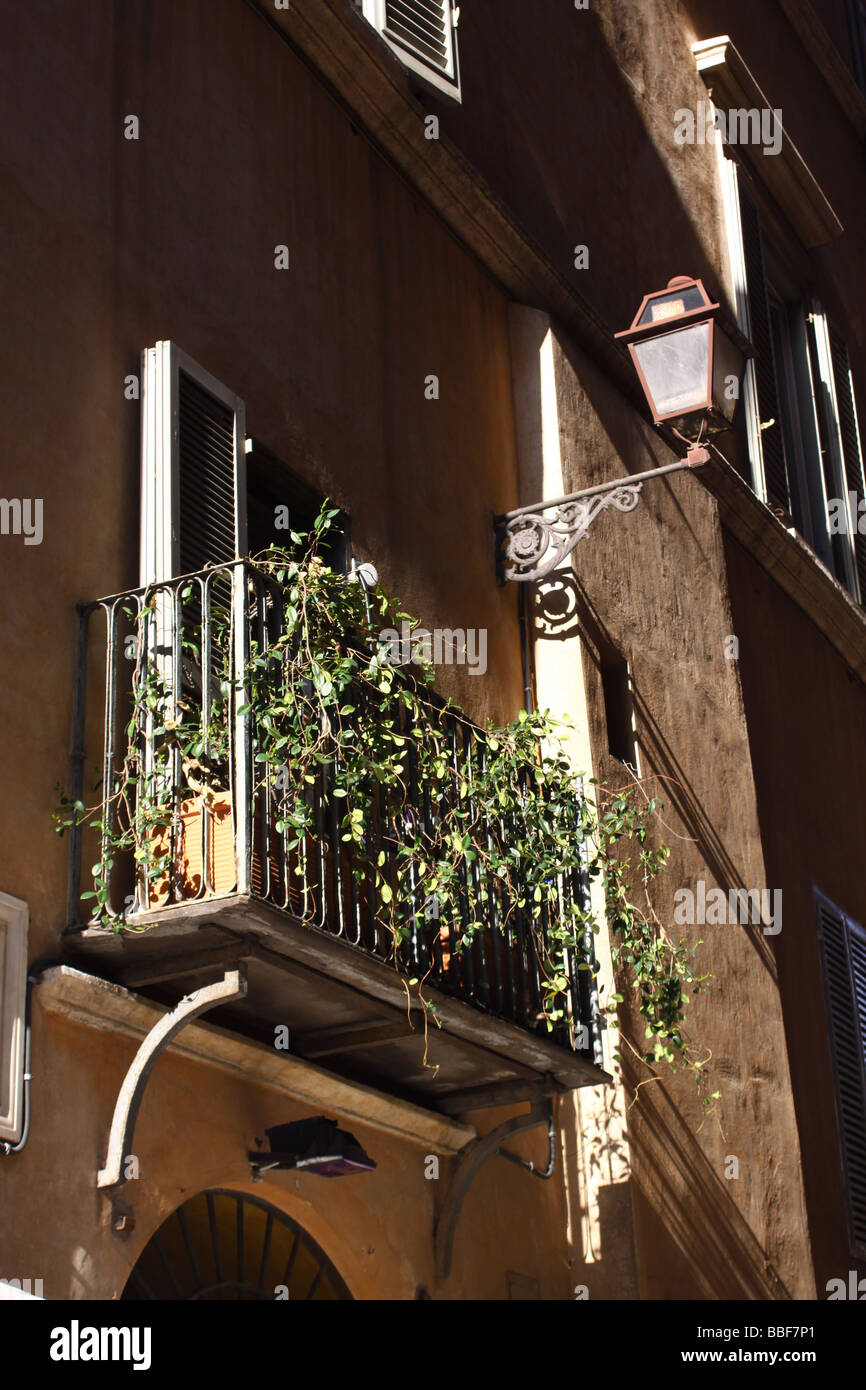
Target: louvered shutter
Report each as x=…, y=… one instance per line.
x=852, y=454
x=193, y=477
x=422, y=34
x=843, y=945
x=770, y=434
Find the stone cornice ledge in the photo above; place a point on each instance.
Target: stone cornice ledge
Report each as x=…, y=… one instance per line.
x=790, y=562
x=828, y=60
x=785, y=174
x=98, y=1004
x=334, y=39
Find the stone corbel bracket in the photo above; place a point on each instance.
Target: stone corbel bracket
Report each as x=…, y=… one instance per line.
x=473, y=1157
x=233, y=985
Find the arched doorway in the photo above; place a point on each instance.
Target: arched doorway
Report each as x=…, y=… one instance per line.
x=229, y=1245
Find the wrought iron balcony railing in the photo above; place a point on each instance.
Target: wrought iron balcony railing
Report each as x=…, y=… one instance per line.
x=174, y=654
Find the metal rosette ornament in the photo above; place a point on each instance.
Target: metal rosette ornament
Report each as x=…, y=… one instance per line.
x=533, y=545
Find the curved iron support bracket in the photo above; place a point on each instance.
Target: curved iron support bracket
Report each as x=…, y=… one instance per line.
x=473, y=1157
x=233, y=985
x=531, y=545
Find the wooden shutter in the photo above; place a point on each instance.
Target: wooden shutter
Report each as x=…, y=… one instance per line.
x=849, y=433
x=422, y=34
x=771, y=440
x=193, y=488
x=843, y=946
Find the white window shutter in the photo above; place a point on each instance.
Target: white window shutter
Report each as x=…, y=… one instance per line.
x=14, y=918
x=730, y=176
x=843, y=949
x=828, y=410
x=193, y=467
x=423, y=35
x=851, y=445
x=772, y=448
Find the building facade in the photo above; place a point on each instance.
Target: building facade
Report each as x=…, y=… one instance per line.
x=258, y=255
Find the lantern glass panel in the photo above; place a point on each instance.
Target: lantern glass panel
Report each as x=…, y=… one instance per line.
x=729, y=364
x=668, y=306
x=675, y=368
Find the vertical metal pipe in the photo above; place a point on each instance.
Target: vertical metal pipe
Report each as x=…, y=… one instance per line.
x=525, y=646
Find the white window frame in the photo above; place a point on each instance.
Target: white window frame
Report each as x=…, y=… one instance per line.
x=802, y=394
x=795, y=387
x=14, y=921
x=729, y=175
x=827, y=377
x=447, y=81
x=160, y=472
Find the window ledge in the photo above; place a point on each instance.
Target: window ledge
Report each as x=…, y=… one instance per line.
x=786, y=175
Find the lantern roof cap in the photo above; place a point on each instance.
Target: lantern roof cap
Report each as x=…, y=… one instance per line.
x=683, y=301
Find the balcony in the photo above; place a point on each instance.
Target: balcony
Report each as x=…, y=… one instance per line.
x=226, y=876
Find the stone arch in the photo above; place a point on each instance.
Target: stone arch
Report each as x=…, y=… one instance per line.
x=229, y=1244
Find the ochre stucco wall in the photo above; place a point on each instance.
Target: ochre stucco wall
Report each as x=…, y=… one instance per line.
x=193, y=1132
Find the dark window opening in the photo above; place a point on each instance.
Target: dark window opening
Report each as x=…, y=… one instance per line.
x=276, y=496
x=619, y=709
x=857, y=30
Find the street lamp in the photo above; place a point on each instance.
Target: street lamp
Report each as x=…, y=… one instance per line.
x=690, y=362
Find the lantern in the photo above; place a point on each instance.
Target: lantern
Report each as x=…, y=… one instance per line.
x=689, y=359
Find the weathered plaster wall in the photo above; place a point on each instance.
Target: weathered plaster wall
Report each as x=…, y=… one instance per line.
x=806, y=714
x=652, y=584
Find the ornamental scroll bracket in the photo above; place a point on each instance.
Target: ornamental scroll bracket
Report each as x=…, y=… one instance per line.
x=532, y=541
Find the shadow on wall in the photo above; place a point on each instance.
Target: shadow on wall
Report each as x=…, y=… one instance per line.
x=603, y=175
x=692, y=1204
x=598, y=1202
x=675, y=788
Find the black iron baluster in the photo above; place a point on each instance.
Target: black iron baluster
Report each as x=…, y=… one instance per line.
x=411, y=815
x=484, y=994
x=467, y=970
x=493, y=928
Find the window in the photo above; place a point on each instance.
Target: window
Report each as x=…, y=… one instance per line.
x=857, y=30
x=841, y=448
x=423, y=35
x=843, y=953
x=13, y=992
x=279, y=502
x=209, y=493
x=618, y=708
x=801, y=416
x=193, y=467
